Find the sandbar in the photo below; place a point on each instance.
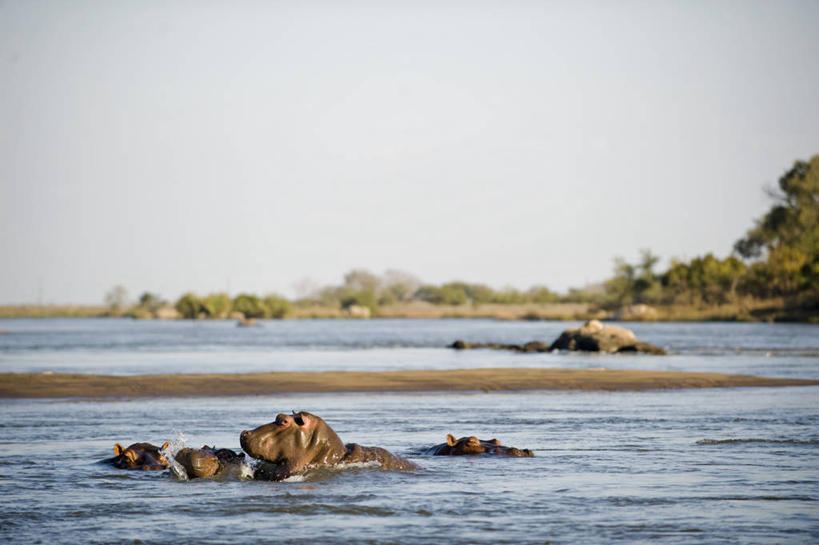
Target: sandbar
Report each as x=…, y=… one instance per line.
x=60, y=385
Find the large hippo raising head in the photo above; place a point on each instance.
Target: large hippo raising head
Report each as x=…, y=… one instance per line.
x=472, y=445
x=293, y=443
x=139, y=456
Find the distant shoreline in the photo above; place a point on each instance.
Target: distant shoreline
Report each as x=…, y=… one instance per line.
x=758, y=312
x=58, y=385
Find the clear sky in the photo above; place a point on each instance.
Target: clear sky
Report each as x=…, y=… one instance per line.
x=171, y=146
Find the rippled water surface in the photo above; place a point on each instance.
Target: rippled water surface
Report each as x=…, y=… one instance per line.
x=137, y=347
x=691, y=466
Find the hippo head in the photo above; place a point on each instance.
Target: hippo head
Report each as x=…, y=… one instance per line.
x=140, y=456
x=293, y=443
x=198, y=463
x=473, y=445
x=470, y=445
x=208, y=461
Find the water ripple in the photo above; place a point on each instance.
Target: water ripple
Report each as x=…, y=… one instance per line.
x=757, y=440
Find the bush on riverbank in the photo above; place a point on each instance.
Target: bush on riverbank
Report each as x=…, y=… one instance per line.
x=221, y=306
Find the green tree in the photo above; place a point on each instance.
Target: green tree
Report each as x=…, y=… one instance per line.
x=509, y=296
x=787, y=237
x=362, y=298
x=276, y=306
x=429, y=293
x=479, y=294
x=704, y=279
x=541, y=295
x=793, y=220
x=620, y=288
x=189, y=306
x=150, y=300
x=249, y=305
x=785, y=266
x=147, y=306
x=647, y=287
x=217, y=305
x=453, y=293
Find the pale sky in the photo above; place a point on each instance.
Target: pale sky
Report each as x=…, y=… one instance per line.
x=172, y=146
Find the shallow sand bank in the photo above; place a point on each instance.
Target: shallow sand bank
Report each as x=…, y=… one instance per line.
x=28, y=385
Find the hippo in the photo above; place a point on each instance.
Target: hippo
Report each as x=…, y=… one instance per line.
x=144, y=456
x=291, y=444
x=593, y=336
x=472, y=445
x=209, y=461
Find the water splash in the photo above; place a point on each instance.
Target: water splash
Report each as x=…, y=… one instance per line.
x=246, y=471
x=169, y=453
x=243, y=471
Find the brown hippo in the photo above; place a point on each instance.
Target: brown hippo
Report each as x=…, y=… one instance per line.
x=472, y=445
x=209, y=461
x=593, y=336
x=293, y=443
x=143, y=456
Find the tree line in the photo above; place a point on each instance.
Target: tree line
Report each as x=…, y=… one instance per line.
x=192, y=306
x=777, y=257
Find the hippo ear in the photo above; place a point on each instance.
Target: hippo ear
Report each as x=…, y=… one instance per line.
x=118, y=449
x=494, y=442
x=131, y=455
x=303, y=419
x=450, y=440
x=164, y=445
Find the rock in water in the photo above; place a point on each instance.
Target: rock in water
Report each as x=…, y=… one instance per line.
x=593, y=336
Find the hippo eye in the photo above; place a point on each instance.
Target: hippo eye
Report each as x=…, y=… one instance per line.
x=282, y=420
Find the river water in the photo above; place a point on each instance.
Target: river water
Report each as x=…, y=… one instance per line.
x=687, y=466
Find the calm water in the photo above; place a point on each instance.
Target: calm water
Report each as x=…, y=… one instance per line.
x=699, y=466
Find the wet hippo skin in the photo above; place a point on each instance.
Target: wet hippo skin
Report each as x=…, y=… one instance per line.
x=293, y=443
x=472, y=445
x=208, y=461
x=144, y=456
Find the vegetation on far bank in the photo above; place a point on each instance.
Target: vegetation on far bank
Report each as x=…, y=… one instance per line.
x=772, y=274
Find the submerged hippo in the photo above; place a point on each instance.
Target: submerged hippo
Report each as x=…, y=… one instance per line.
x=293, y=443
x=143, y=456
x=209, y=461
x=472, y=445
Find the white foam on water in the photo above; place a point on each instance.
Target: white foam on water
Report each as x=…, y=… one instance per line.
x=357, y=465
x=169, y=453
x=246, y=471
